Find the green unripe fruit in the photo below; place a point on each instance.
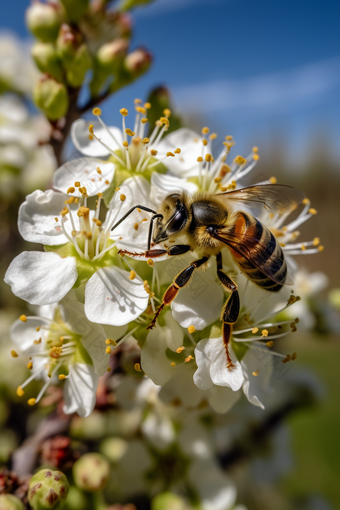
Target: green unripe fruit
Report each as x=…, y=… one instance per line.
x=91, y=472
x=51, y=97
x=47, y=60
x=10, y=502
x=43, y=20
x=75, y=8
x=48, y=490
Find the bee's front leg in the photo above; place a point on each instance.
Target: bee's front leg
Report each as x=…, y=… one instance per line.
x=177, y=249
x=178, y=283
x=231, y=308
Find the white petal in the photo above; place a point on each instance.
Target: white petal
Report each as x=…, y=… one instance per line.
x=112, y=298
x=182, y=388
x=173, y=333
x=222, y=399
x=80, y=390
x=254, y=387
x=159, y=431
x=215, y=489
x=41, y=278
x=194, y=440
x=23, y=334
x=202, y=377
x=220, y=375
x=80, y=138
x=190, y=144
x=162, y=185
x=84, y=170
x=92, y=335
x=36, y=221
x=154, y=360
x=190, y=306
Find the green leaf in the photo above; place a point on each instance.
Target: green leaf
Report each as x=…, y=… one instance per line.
x=160, y=99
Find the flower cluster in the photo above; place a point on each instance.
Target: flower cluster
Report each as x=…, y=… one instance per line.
x=97, y=283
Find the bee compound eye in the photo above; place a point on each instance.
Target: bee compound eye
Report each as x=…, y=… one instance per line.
x=177, y=222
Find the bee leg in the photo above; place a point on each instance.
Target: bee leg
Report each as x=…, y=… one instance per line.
x=176, y=249
x=231, y=308
x=179, y=282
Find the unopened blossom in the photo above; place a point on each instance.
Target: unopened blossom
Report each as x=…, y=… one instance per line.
x=78, y=251
x=63, y=345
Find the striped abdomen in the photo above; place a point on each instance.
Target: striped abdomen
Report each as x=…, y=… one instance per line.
x=259, y=255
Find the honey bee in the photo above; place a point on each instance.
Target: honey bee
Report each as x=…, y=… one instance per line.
x=212, y=222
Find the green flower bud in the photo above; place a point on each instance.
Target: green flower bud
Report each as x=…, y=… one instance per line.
x=48, y=490
x=168, y=501
x=113, y=448
x=10, y=502
x=75, y=8
x=51, y=97
x=68, y=42
x=91, y=472
x=47, y=60
x=44, y=21
x=126, y=5
x=138, y=62
x=108, y=61
x=75, y=71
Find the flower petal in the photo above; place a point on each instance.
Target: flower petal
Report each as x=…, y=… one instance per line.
x=254, y=387
x=190, y=306
x=41, y=278
x=202, y=377
x=80, y=390
x=182, y=388
x=112, y=298
x=84, y=170
x=23, y=334
x=222, y=399
x=36, y=222
x=190, y=143
x=80, y=138
x=154, y=360
x=162, y=185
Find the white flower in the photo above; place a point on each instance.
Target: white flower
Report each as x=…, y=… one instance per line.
x=79, y=251
x=63, y=343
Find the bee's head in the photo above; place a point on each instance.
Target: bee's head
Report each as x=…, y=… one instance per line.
x=173, y=218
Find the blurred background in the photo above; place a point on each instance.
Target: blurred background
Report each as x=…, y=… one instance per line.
x=267, y=73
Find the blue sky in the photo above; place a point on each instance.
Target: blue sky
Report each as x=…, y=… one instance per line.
x=260, y=70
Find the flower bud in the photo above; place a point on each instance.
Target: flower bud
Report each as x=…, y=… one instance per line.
x=44, y=20
x=138, y=62
x=10, y=502
x=75, y=8
x=126, y=5
x=51, y=97
x=168, y=501
x=75, y=71
x=68, y=42
x=47, y=60
x=48, y=490
x=112, y=53
x=91, y=472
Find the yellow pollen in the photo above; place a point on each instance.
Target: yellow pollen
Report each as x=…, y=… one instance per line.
x=316, y=241
x=264, y=332
x=14, y=354
x=150, y=263
x=287, y=358
x=71, y=189
x=56, y=219
x=205, y=142
x=294, y=356
x=83, y=211
x=255, y=373
x=140, y=109
x=303, y=247
x=137, y=101
x=305, y=201
x=110, y=341
x=122, y=197
x=96, y=111
x=91, y=137
x=108, y=369
x=191, y=329
x=20, y=391
x=144, y=120
x=123, y=111
x=320, y=248
x=108, y=350
x=137, y=367
x=145, y=140
x=213, y=136
x=225, y=169
x=273, y=180
x=70, y=200
x=129, y=132
x=254, y=330
x=164, y=121
x=255, y=149
x=312, y=211
x=23, y=318
x=256, y=157
x=38, y=328
x=107, y=182
x=62, y=377
x=229, y=137
x=91, y=129
x=199, y=159
x=30, y=365
x=167, y=112
x=217, y=179
x=147, y=106
x=208, y=157
x=31, y=401
x=64, y=211
x=153, y=152
x=76, y=201
x=173, y=364
x=205, y=131
x=240, y=160
x=146, y=286
x=270, y=343
x=180, y=349
x=189, y=358
x=125, y=144
x=77, y=184
x=37, y=342
x=168, y=154
x=177, y=151
x=83, y=190
x=132, y=275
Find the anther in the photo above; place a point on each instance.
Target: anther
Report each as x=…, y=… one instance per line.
x=144, y=120
x=137, y=101
x=110, y=341
x=83, y=211
x=77, y=184
x=31, y=401
x=173, y=364
x=256, y=373
x=132, y=275
x=64, y=211
x=14, y=354
x=256, y=157
x=20, y=391
x=129, y=132
x=23, y=318
x=140, y=109
x=240, y=160
x=199, y=159
x=153, y=152
x=213, y=136
x=312, y=211
x=316, y=241
x=204, y=141
x=208, y=157
x=264, y=332
x=180, y=349
x=254, y=330
x=165, y=121
x=229, y=137
x=96, y=111
x=91, y=129
x=108, y=350
x=270, y=343
x=125, y=144
x=108, y=369
x=30, y=365
x=305, y=201
x=287, y=358
x=146, y=286
x=137, y=367
x=71, y=189
x=294, y=356
x=205, y=131
x=273, y=180
x=122, y=197
x=62, y=377
x=167, y=112
x=177, y=151
x=320, y=248
x=145, y=140
x=123, y=111
x=147, y=106
x=189, y=358
x=37, y=328
x=191, y=329
x=168, y=154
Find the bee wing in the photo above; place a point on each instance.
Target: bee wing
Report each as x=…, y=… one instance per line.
x=275, y=198
x=256, y=253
